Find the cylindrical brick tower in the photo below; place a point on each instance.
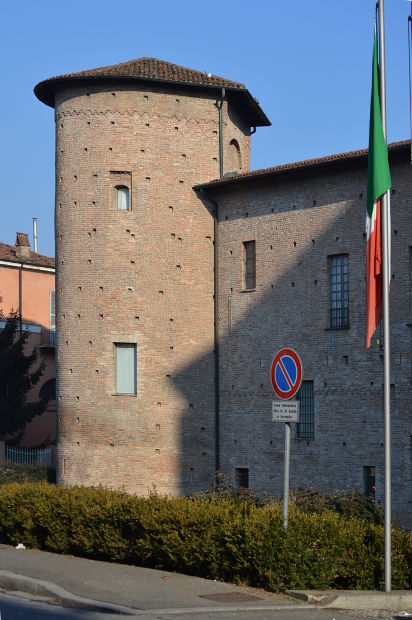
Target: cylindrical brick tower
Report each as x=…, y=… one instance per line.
x=135, y=269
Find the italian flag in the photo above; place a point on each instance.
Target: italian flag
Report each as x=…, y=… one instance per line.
x=379, y=181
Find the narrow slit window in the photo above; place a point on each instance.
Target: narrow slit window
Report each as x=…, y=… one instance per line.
x=126, y=368
x=122, y=198
x=249, y=265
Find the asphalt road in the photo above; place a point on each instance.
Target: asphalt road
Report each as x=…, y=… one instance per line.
x=21, y=607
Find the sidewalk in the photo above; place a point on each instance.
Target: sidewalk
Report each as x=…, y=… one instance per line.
x=118, y=587
x=128, y=589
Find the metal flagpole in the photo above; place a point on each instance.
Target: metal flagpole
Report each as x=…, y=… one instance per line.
x=386, y=334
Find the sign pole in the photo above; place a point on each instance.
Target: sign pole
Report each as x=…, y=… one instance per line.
x=286, y=476
x=286, y=377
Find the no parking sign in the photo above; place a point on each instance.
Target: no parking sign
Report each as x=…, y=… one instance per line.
x=286, y=373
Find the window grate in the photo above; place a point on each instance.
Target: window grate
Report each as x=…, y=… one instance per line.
x=339, y=291
x=306, y=426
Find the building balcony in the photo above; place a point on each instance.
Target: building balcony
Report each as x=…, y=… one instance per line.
x=48, y=338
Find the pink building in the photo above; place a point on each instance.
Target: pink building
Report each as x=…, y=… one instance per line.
x=27, y=286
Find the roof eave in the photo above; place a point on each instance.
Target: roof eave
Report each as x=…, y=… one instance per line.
x=45, y=91
x=347, y=158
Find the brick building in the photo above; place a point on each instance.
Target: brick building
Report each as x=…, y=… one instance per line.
x=150, y=248
x=27, y=286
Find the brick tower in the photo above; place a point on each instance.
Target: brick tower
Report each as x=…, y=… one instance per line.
x=135, y=268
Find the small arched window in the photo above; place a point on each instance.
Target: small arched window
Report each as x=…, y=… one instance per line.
x=122, y=197
x=234, y=158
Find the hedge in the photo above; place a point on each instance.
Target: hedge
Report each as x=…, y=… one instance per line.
x=215, y=537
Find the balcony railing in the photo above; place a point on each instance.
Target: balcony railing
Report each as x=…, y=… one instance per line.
x=48, y=338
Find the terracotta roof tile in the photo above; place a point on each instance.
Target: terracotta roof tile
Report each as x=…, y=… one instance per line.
x=153, y=69
x=300, y=165
x=8, y=253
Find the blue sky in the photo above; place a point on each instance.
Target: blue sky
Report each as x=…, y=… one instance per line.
x=308, y=63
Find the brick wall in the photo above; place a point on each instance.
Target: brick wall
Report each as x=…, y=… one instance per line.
x=142, y=276
x=298, y=220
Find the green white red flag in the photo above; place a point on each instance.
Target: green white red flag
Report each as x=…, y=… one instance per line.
x=379, y=181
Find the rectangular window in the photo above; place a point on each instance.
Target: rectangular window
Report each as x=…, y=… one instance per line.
x=306, y=426
x=369, y=473
x=339, y=290
x=249, y=265
x=126, y=368
x=52, y=339
x=242, y=477
x=52, y=309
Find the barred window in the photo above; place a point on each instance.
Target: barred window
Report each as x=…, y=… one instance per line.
x=249, y=265
x=242, y=477
x=339, y=290
x=306, y=426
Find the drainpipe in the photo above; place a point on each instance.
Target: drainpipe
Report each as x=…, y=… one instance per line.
x=20, y=302
x=220, y=107
x=216, y=332
x=252, y=130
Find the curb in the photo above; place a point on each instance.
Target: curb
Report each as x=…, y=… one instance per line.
x=400, y=600
x=12, y=582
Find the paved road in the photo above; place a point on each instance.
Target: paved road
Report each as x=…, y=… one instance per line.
x=21, y=607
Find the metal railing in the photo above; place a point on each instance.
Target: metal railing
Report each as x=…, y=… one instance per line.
x=34, y=456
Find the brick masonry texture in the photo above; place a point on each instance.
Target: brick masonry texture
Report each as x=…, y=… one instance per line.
x=146, y=276
x=142, y=276
x=299, y=220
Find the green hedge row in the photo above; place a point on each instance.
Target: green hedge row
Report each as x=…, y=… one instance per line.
x=214, y=537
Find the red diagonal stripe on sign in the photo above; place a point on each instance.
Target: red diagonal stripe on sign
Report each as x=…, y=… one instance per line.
x=285, y=373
